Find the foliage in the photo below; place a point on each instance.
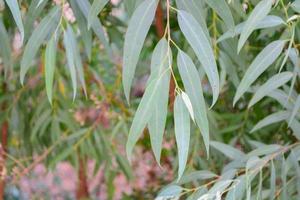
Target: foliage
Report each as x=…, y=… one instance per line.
x=229, y=67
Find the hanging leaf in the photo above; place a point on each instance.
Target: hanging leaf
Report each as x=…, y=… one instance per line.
x=271, y=119
x=288, y=49
x=45, y=29
x=68, y=37
x=197, y=175
x=16, y=13
x=5, y=49
x=260, y=11
x=170, y=191
x=192, y=85
x=272, y=181
x=138, y=28
x=159, y=65
x=143, y=113
x=202, y=47
x=50, y=58
x=188, y=104
x=262, y=61
x=222, y=9
x=182, y=133
x=96, y=8
x=272, y=84
x=227, y=150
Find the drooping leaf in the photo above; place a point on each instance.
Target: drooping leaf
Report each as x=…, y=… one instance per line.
x=170, y=191
x=267, y=22
x=192, y=85
x=262, y=61
x=16, y=13
x=138, y=28
x=159, y=65
x=97, y=27
x=143, y=113
x=272, y=181
x=271, y=119
x=50, y=58
x=182, y=132
x=68, y=37
x=264, y=150
x=188, y=104
x=222, y=9
x=195, y=35
x=5, y=49
x=288, y=49
x=273, y=83
x=196, y=175
x=45, y=29
x=195, y=8
x=96, y=8
x=227, y=150
x=260, y=11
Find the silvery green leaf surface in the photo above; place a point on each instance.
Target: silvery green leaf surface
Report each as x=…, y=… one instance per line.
x=159, y=65
x=182, y=132
x=50, y=58
x=272, y=181
x=136, y=33
x=227, y=150
x=5, y=48
x=195, y=35
x=296, y=6
x=196, y=175
x=264, y=150
x=262, y=61
x=273, y=83
x=46, y=27
x=295, y=110
x=96, y=8
x=260, y=11
x=170, y=192
x=192, y=84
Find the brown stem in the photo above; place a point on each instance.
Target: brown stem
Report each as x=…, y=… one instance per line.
x=82, y=187
x=160, y=30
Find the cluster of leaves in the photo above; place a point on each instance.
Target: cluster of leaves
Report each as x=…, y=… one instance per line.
x=217, y=61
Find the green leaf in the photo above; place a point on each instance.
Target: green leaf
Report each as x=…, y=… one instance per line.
x=272, y=84
x=144, y=112
x=68, y=37
x=222, y=9
x=295, y=110
x=289, y=48
x=196, y=175
x=182, y=133
x=5, y=49
x=16, y=13
x=188, y=104
x=195, y=8
x=271, y=119
x=267, y=22
x=196, y=37
x=227, y=150
x=272, y=181
x=192, y=85
x=157, y=122
x=264, y=150
x=97, y=27
x=170, y=191
x=138, y=28
x=50, y=58
x=96, y=8
x=45, y=29
x=260, y=11
x=262, y=61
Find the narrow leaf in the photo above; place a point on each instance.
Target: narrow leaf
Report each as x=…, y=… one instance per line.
x=227, y=150
x=192, y=85
x=138, y=28
x=182, y=132
x=188, y=104
x=16, y=13
x=262, y=61
x=96, y=8
x=260, y=11
x=272, y=181
x=295, y=110
x=272, y=84
x=50, y=58
x=202, y=47
x=5, y=49
x=46, y=27
x=157, y=122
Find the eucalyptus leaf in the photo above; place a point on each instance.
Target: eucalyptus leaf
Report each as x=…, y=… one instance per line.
x=16, y=13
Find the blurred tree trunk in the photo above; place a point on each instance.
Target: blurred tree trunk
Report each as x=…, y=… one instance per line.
x=82, y=186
